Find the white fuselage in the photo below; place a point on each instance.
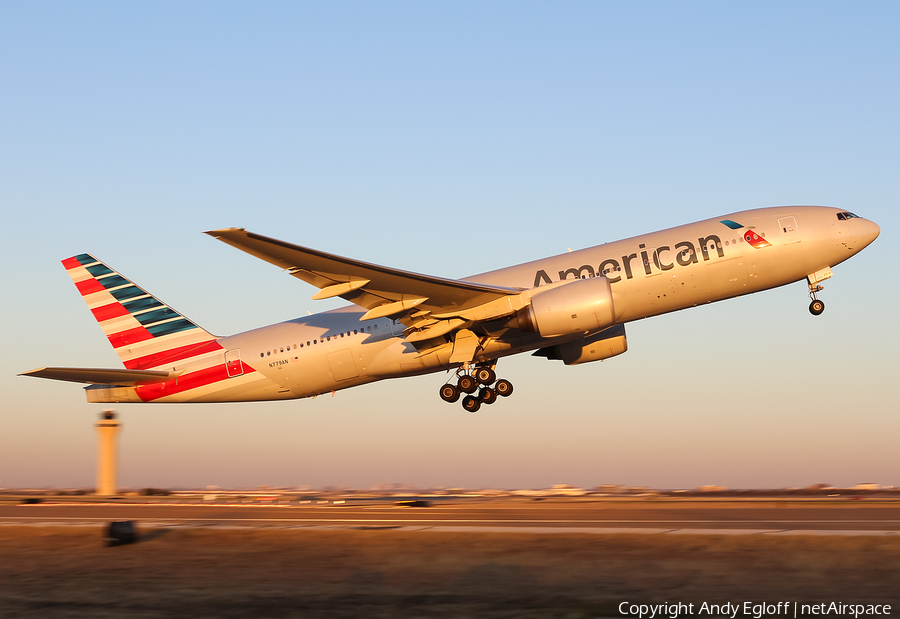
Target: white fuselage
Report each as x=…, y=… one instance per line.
x=650, y=274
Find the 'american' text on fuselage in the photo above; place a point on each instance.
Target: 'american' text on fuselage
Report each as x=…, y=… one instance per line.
x=685, y=255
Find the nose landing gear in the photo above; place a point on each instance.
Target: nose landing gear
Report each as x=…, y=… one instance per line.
x=816, y=306
x=469, y=382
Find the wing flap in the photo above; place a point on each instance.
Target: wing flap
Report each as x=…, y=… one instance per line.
x=336, y=290
x=98, y=376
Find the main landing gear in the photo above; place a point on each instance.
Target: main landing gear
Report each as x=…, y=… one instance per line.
x=483, y=380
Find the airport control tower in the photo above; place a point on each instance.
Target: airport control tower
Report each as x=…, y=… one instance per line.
x=107, y=433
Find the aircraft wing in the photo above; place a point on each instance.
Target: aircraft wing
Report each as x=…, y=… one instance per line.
x=93, y=376
x=418, y=300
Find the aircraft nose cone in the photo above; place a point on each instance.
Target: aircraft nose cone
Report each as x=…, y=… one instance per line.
x=873, y=231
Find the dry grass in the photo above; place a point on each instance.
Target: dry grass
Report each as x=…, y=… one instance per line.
x=203, y=572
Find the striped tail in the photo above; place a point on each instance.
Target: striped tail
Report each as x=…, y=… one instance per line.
x=145, y=332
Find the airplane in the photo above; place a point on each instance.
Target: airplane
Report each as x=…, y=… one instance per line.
x=572, y=307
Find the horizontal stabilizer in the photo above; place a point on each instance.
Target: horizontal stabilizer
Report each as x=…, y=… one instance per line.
x=94, y=376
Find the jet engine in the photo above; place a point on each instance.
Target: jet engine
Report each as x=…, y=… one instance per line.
x=608, y=343
x=578, y=307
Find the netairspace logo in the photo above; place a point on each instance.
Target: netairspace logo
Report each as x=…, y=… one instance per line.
x=756, y=610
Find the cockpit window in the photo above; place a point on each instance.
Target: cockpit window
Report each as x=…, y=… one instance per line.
x=847, y=215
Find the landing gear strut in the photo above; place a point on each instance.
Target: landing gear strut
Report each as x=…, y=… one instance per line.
x=468, y=382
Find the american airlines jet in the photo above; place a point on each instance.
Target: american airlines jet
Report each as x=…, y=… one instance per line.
x=572, y=307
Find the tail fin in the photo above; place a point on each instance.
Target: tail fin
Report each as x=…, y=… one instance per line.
x=145, y=332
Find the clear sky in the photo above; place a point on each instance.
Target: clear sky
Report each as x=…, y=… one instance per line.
x=450, y=139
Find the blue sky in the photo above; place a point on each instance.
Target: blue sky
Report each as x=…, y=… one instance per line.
x=451, y=139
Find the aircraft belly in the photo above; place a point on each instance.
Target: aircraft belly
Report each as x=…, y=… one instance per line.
x=776, y=266
x=397, y=358
x=306, y=374
x=666, y=293
x=342, y=366
x=727, y=277
x=247, y=388
x=640, y=298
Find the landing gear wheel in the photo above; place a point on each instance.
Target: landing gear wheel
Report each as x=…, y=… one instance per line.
x=487, y=395
x=504, y=388
x=471, y=404
x=467, y=384
x=449, y=393
x=485, y=376
x=816, y=307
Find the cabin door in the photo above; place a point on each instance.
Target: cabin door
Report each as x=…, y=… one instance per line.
x=789, y=231
x=233, y=365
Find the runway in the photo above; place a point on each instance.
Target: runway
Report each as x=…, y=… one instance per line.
x=472, y=516
x=467, y=558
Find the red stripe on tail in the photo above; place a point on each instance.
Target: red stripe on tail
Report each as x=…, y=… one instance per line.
x=89, y=286
x=131, y=336
x=172, y=355
x=105, y=312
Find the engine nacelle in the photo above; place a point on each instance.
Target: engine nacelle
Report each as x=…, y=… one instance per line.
x=608, y=343
x=577, y=307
